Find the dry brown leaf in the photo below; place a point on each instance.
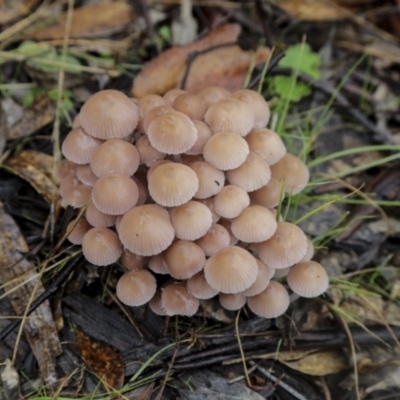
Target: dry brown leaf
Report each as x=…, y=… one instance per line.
x=37, y=169
x=313, y=10
x=38, y=115
x=91, y=21
x=102, y=359
x=22, y=277
x=166, y=71
x=11, y=11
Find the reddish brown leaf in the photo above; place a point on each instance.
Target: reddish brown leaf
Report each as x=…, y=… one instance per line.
x=106, y=363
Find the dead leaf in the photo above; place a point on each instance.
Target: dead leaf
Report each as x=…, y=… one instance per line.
x=166, y=71
x=10, y=381
x=109, y=18
x=102, y=359
x=37, y=116
x=313, y=10
x=22, y=279
x=13, y=10
x=37, y=169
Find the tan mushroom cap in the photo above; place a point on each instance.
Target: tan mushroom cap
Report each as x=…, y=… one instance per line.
x=209, y=202
x=191, y=105
x=231, y=270
x=216, y=238
x=281, y=273
x=190, y=159
x=173, y=184
x=79, y=147
x=65, y=168
x=226, y=223
x=148, y=154
x=271, y=302
x=199, y=288
x=254, y=225
x=136, y=288
x=146, y=230
x=226, y=151
x=152, y=114
x=231, y=201
x=77, y=196
x=109, y=114
x=232, y=302
x=212, y=94
x=172, y=133
x=155, y=165
x=172, y=94
x=155, y=304
x=78, y=231
x=203, y=134
x=115, y=155
x=211, y=179
x=308, y=279
x=77, y=122
x=147, y=103
x=257, y=103
x=184, y=259
x=143, y=192
x=269, y=195
x=253, y=174
x=158, y=265
x=85, y=174
x=293, y=172
x=115, y=193
x=101, y=246
x=286, y=247
x=132, y=261
x=230, y=115
x=98, y=219
x=68, y=183
x=191, y=220
x=310, y=251
x=176, y=300
x=264, y=276
x=266, y=144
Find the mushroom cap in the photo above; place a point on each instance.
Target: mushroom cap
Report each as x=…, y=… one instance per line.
x=79, y=147
x=199, y=288
x=115, y=155
x=264, y=276
x=211, y=180
x=172, y=94
x=101, y=246
x=109, y=114
x=254, y=225
x=257, y=103
x=191, y=220
x=269, y=195
x=98, y=219
x=293, y=172
x=77, y=121
x=266, y=144
x=271, y=302
x=209, y=202
x=65, y=168
x=173, y=184
x=85, y=174
x=230, y=115
x=253, y=174
x=77, y=196
x=176, y=300
x=143, y=192
x=158, y=264
x=148, y=154
x=285, y=248
x=155, y=304
x=152, y=114
x=78, y=231
x=136, y=288
x=281, y=273
x=68, y=183
x=146, y=230
x=310, y=251
x=191, y=105
x=184, y=259
x=115, y=193
x=226, y=223
x=172, y=133
x=212, y=94
x=226, y=151
x=308, y=279
x=232, y=302
x=155, y=165
x=203, y=134
x=231, y=270
x=132, y=261
x=231, y=201
x=150, y=101
x=216, y=238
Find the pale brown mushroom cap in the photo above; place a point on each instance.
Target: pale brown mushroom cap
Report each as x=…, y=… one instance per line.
x=68, y=183
x=143, y=192
x=281, y=273
x=158, y=265
x=132, y=261
x=308, y=279
x=101, y=246
x=230, y=115
x=269, y=195
x=232, y=302
x=257, y=103
x=136, y=288
x=152, y=114
x=173, y=184
x=98, y=219
x=203, y=134
x=155, y=165
x=211, y=179
x=226, y=151
x=253, y=174
x=271, y=302
x=109, y=114
x=266, y=144
x=148, y=154
x=231, y=201
x=293, y=172
x=226, y=223
x=209, y=202
x=172, y=94
x=146, y=230
x=184, y=259
x=190, y=159
x=191, y=105
x=176, y=300
x=77, y=196
x=115, y=193
x=254, y=225
x=78, y=231
x=85, y=174
x=77, y=122
x=172, y=133
x=191, y=220
x=65, y=168
x=150, y=101
x=286, y=247
x=115, y=155
x=155, y=304
x=264, y=276
x=212, y=94
x=79, y=147
x=199, y=288
x=310, y=251
x=216, y=238
x=231, y=270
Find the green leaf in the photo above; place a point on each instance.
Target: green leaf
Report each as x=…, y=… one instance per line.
x=283, y=87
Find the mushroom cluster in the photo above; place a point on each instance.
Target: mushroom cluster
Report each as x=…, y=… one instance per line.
x=187, y=186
